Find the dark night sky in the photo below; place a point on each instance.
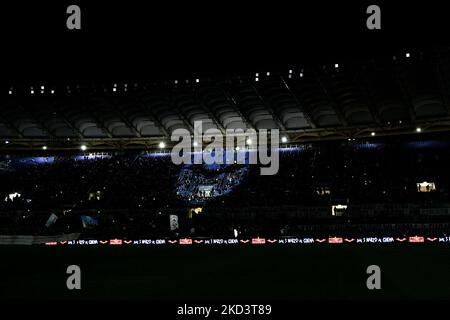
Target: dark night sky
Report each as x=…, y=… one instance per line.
x=160, y=39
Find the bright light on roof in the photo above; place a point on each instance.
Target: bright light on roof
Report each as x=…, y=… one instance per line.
x=53, y=91
x=268, y=73
x=336, y=65
x=284, y=139
x=114, y=89
x=237, y=148
x=162, y=145
x=10, y=91
x=42, y=87
x=6, y=142
x=408, y=55
x=418, y=129
x=249, y=141
x=301, y=74
x=195, y=144
x=44, y=148
x=197, y=80
x=372, y=134
x=290, y=71
x=83, y=147
x=256, y=79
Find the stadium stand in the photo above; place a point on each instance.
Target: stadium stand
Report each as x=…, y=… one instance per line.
x=362, y=143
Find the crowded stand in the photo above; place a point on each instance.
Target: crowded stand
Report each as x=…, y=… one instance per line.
x=331, y=187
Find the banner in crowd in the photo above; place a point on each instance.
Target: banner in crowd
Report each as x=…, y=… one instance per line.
x=51, y=220
x=89, y=222
x=173, y=222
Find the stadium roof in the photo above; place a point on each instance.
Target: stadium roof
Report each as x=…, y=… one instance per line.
x=391, y=94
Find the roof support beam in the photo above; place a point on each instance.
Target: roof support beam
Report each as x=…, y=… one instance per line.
x=204, y=104
x=269, y=108
x=181, y=115
x=441, y=82
x=99, y=123
x=11, y=126
x=125, y=119
x=406, y=96
x=42, y=124
x=302, y=108
x=149, y=113
x=232, y=101
x=366, y=88
x=72, y=126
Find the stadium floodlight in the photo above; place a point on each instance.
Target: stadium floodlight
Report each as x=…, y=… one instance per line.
x=301, y=74
x=162, y=145
x=418, y=129
x=336, y=65
x=197, y=80
x=44, y=148
x=10, y=92
x=373, y=133
x=268, y=73
x=83, y=147
x=284, y=139
x=42, y=87
x=256, y=79
x=52, y=92
x=408, y=55
x=6, y=142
